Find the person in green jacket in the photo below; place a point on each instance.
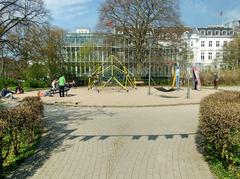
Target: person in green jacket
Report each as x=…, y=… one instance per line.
x=61, y=82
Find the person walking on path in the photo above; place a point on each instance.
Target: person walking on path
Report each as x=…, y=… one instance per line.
x=62, y=82
x=215, y=80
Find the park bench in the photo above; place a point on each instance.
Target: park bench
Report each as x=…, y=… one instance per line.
x=56, y=90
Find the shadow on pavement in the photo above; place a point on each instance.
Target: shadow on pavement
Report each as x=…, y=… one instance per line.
x=55, y=132
x=84, y=138
x=165, y=96
x=199, y=142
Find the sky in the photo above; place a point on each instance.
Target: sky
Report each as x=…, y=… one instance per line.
x=72, y=14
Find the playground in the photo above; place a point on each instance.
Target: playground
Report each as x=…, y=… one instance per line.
x=113, y=85
x=117, y=97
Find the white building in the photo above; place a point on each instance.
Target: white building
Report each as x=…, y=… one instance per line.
x=83, y=31
x=206, y=44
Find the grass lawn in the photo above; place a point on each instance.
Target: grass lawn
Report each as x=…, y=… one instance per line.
x=220, y=171
x=13, y=162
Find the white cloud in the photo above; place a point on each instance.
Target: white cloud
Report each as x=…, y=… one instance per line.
x=67, y=9
x=58, y=3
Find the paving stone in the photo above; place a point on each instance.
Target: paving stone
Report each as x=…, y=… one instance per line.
x=109, y=143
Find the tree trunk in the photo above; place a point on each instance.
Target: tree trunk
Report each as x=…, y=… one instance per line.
x=2, y=67
x=139, y=59
x=139, y=70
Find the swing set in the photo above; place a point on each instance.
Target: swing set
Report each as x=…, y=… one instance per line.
x=171, y=66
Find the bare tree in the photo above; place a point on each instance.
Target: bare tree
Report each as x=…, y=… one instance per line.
x=19, y=12
x=138, y=17
x=16, y=17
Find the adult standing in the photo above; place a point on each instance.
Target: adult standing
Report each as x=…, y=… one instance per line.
x=62, y=82
x=215, y=80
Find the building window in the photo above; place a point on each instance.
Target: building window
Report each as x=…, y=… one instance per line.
x=185, y=44
x=202, y=43
x=202, y=32
x=202, y=56
x=210, y=56
x=167, y=36
x=217, y=32
x=210, y=44
x=224, y=43
x=191, y=43
x=217, y=44
x=224, y=54
x=209, y=32
x=224, y=32
x=217, y=55
x=175, y=36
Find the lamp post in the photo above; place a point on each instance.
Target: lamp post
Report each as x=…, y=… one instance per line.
x=184, y=54
x=149, y=71
x=188, y=83
x=188, y=75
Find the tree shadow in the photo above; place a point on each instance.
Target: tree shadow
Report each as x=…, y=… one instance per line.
x=55, y=132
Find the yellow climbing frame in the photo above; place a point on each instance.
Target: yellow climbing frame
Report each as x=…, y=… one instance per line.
x=114, y=66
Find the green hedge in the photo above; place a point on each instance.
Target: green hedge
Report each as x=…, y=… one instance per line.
x=220, y=128
x=7, y=82
x=20, y=127
x=36, y=84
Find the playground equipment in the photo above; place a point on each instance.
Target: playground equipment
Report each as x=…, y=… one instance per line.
x=175, y=79
x=196, y=78
x=108, y=73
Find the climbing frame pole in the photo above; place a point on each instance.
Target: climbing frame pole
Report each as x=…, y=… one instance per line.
x=115, y=67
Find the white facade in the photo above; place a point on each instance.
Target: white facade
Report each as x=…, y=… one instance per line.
x=206, y=44
x=83, y=31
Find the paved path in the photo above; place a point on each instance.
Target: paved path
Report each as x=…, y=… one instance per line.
x=106, y=143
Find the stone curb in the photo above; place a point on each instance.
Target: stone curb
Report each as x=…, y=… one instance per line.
x=119, y=106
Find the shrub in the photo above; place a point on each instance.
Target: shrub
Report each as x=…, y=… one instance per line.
x=230, y=77
x=81, y=81
x=36, y=84
x=7, y=82
x=220, y=128
x=20, y=126
x=226, y=77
